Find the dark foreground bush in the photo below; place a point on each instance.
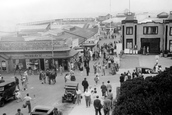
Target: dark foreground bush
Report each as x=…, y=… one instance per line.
x=152, y=96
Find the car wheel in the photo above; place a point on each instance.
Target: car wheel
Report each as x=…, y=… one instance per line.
x=2, y=103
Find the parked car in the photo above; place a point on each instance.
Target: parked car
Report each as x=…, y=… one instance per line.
x=145, y=70
x=7, y=91
x=42, y=110
x=70, y=92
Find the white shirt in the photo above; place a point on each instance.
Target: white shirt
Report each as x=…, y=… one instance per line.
x=78, y=92
x=27, y=98
x=87, y=93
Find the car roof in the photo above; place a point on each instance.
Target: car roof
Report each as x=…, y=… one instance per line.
x=71, y=83
x=42, y=107
x=6, y=82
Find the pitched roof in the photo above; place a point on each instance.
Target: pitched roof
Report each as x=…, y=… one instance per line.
x=82, y=32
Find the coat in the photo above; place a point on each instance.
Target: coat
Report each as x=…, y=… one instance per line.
x=85, y=84
x=97, y=104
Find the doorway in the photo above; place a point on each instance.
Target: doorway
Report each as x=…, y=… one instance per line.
x=152, y=43
x=42, y=64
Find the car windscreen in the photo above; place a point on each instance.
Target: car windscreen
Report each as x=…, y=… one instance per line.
x=41, y=110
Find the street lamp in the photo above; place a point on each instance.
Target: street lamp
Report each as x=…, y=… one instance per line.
x=52, y=53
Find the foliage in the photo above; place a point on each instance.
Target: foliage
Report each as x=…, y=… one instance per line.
x=150, y=96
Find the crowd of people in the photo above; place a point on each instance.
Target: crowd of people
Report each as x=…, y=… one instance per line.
x=102, y=57
x=93, y=98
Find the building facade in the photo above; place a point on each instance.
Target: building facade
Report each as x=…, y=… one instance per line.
x=36, y=55
x=153, y=36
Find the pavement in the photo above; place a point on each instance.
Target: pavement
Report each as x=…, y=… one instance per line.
x=128, y=62
x=82, y=110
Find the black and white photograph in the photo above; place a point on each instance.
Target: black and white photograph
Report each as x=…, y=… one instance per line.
x=85, y=57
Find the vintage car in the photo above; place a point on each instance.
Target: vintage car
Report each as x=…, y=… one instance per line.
x=7, y=91
x=42, y=110
x=70, y=92
x=145, y=70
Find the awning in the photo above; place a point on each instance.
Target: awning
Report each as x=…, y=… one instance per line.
x=72, y=53
x=4, y=56
x=88, y=45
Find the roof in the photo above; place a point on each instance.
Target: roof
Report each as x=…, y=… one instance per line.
x=82, y=32
x=66, y=35
x=162, y=15
x=10, y=38
x=6, y=82
x=149, y=19
x=114, y=20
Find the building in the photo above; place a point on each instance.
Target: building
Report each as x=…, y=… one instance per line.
x=152, y=34
x=84, y=37
x=35, y=54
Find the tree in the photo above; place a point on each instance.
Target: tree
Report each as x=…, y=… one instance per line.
x=150, y=96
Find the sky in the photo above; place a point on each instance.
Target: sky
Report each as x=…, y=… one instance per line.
x=19, y=11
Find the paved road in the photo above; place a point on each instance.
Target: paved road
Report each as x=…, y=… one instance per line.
x=50, y=95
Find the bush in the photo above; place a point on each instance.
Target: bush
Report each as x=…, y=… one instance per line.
x=152, y=96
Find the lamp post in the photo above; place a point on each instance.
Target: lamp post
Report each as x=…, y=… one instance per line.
x=52, y=53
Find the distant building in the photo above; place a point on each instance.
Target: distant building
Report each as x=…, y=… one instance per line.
x=103, y=18
x=152, y=33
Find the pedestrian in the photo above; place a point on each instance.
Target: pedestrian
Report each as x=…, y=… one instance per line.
x=18, y=95
x=103, y=89
x=61, y=70
x=97, y=106
x=99, y=68
x=17, y=83
x=96, y=79
x=122, y=77
x=27, y=102
x=24, y=83
x=43, y=79
x=103, y=69
x=87, y=95
x=107, y=104
x=57, y=112
x=40, y=75
x=78, y=96
x=85, y=84
x=81, y=69
x=108, y=86
x=95, y=68
x=129, y=75
x=110, y=95
x=19, y=112
x=87, y=69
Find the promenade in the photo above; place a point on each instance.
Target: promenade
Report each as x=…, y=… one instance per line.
x=128, y=62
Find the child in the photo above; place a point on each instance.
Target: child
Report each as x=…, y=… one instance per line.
x=18, y=96
x=96, y=79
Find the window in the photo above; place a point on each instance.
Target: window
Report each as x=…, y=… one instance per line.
x=150, y=30
x=129, y=43
x=129, y=30
x=170, y=31
x=170, y=45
